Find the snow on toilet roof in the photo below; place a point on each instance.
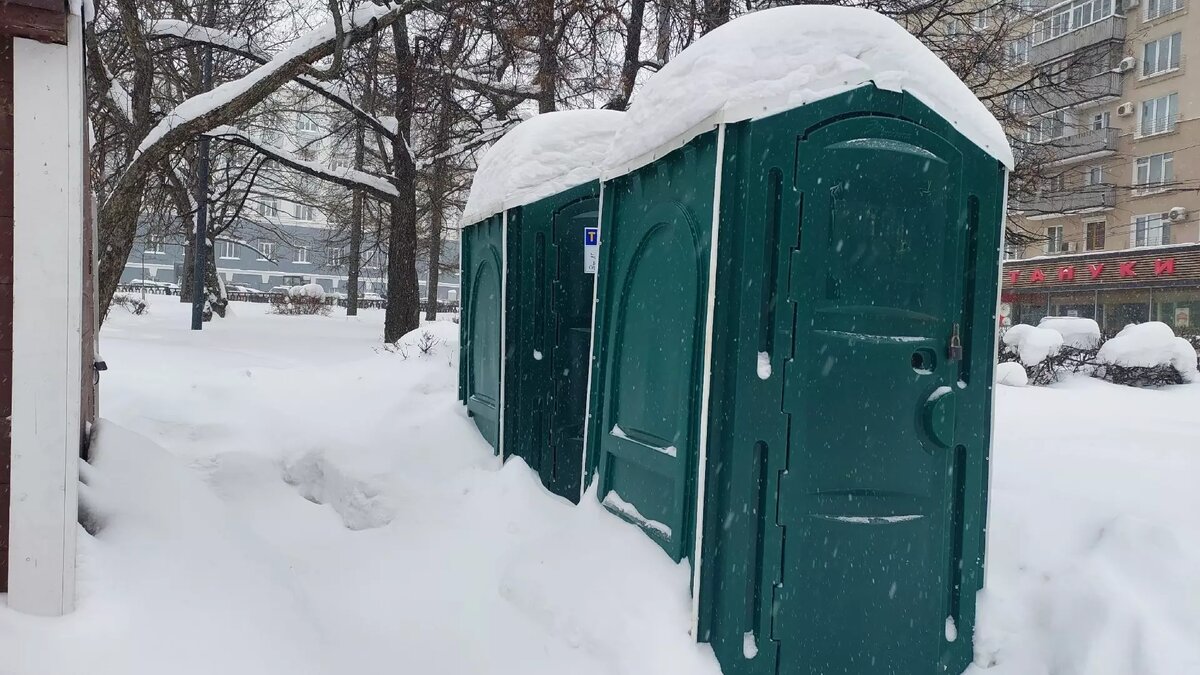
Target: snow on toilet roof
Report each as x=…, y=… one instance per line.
x=541, y=156
x=778, y=59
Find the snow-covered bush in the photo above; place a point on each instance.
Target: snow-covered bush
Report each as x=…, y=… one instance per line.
x=1147, y=354
x=1077, y=332
x=306, y=299
x=1036, y=349
x=131, y=303
x=1012, y=374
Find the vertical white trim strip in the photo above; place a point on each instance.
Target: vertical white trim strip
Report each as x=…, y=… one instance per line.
x=48, y=268
x=503, y=329
x=992, y=416
x=706, y=387
x=587, y=405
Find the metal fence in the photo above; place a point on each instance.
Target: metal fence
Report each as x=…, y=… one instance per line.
x=262, y=298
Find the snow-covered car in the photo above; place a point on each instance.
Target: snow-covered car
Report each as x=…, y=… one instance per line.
x=238, y=288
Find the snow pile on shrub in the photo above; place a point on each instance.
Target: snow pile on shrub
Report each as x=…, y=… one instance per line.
x=1150, y=345
x=1077, y=332
x=1012, y=374
x=778, y=59
x=1032, y=344
x=313, y=291
x=541, y=156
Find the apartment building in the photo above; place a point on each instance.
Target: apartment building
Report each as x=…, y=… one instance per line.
x=1118, y=218
x=282, y=237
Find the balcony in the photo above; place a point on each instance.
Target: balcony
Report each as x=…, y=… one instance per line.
x=1111, y=29
x=1092, y=198
x=1090, y=144
x=1087, y=91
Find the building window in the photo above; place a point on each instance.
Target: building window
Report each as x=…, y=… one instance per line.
x=154, y=246
x=1095, y=235
x=1094, y=176
x=1011, y=252
x=1054, y=239
x=336, y=258
x=306, y=124
x=266, y=250
x=228, y=249
x=1162, y=55
x=1151, y=230
x=1155, y=172
x=980, y=20
x=1100, y=121
x=1050, y=127
x=1018, y=50
x=1157, y=8
x=1070, y=16
x=1158, y=115
x=268, y=206
x=302, y=254
x=305, y=212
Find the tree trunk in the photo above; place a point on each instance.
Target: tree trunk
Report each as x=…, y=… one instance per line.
x=356, y=209
x=403, y=293
x=185, y=279
x=435, y=258
x=662, y=50
x=631, y=63
x=714, y=14
x=547, y=75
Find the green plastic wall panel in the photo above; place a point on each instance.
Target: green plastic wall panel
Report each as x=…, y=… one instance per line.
x=848, y=457
x=482, y=283
x=550, y=316
x=649, y=342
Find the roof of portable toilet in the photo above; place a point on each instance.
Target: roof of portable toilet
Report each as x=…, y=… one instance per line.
x=542, y=156
x=774, y=60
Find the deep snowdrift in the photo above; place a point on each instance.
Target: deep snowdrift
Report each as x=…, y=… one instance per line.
x=777, y=59
x=325, y=507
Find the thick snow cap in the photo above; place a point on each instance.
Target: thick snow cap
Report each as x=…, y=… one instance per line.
x=778, y=59
x=542, y=156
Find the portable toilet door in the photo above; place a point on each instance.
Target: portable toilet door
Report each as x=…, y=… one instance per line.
x=483, y=324
x=847, y=501
x=648, y=358
x=550, y=304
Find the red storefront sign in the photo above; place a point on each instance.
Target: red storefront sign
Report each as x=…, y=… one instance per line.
x=1125, y=270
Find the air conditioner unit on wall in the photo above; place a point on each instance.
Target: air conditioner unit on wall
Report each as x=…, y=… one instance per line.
x=1071, y=247
x=1127, y=64
x=1177, y=214
x=1125, y=109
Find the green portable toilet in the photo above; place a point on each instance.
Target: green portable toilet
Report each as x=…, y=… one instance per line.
x=528, y=271
x=794, y=335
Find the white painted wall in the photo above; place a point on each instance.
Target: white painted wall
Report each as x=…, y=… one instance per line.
x=47, y=322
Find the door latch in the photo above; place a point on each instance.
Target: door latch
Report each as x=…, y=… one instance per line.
x=955, y=351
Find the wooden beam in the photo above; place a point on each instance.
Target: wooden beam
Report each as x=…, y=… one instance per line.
x=34, y=22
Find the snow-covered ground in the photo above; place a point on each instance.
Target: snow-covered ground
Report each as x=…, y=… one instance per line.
x=280, y=495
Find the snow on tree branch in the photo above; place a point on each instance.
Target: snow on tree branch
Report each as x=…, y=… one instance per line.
x=245, y=48
x=202, y=34
x=344, y=176
x=231, y=99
